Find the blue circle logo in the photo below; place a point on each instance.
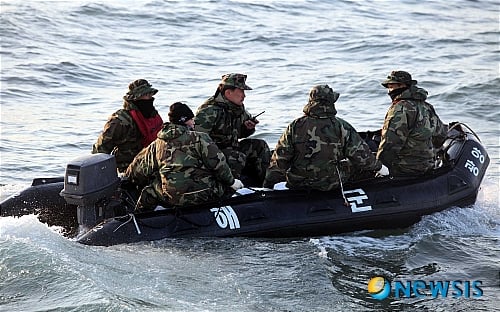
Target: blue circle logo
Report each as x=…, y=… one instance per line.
x=379, y=288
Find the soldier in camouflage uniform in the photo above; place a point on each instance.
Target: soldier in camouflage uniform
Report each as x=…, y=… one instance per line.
x=131, y=128
x=181, y=167
x=412, y=130
x=309, y=152
x=224, y=117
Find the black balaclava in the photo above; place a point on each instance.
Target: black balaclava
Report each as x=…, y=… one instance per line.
x=146, y=107
x=394, y=93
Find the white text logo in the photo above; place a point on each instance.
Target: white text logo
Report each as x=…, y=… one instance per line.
x=226, y=216
x=356, y=200
x=469, y=164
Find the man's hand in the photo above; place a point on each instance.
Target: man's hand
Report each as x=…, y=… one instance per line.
x=237, y=185
x=250, y=123
x=383, y=172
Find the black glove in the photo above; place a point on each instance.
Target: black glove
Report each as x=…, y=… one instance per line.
x=455, y=125
x=127, y=184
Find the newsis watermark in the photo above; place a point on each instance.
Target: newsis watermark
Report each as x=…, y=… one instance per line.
x=380, y=288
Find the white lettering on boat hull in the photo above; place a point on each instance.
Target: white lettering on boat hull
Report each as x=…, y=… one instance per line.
x=226, y=216
x=355, y=198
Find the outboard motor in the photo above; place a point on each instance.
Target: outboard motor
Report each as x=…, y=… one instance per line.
x=90, y=183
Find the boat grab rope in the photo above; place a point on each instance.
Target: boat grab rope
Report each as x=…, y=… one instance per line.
x=342, y=188
x=131, y=218
x=211, y=221
x=128, y=200
x=455, y=125
x=198, y=224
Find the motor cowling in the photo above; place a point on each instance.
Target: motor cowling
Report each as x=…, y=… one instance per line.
x=89, y=182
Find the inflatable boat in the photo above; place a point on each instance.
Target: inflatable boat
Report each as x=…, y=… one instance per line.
x=94, y=206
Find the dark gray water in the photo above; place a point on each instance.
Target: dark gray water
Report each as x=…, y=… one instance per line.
x=66, y=64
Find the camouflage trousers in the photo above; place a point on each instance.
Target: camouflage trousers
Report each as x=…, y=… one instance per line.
x=152, y=196
x=250, y=159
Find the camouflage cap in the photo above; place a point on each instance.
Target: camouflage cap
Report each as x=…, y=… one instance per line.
x=235, y=80
x=139, y=88
x=399, y=76
x=323, y=93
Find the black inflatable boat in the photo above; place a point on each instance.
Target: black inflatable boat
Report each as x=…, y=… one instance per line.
x=92, y=204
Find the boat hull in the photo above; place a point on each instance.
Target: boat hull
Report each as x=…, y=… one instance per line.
x=376, y=203
x=290, y=213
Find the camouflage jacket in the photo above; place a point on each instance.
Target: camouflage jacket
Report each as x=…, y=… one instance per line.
x=309, y=151
x=121, y=136
x=187, y=162
x=411, y=132
x=223, y=121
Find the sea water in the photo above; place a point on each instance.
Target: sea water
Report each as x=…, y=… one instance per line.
x=65, y=66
